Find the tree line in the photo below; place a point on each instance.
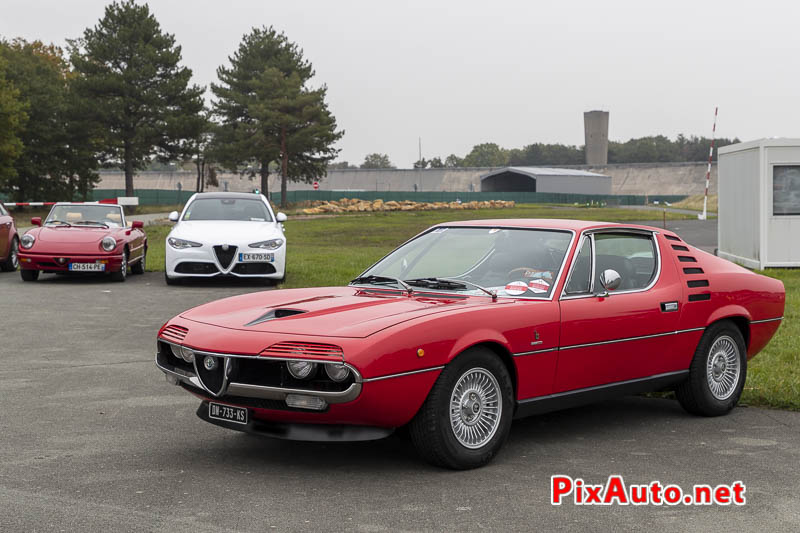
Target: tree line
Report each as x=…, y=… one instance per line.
x=652, y=149
x=119, y=97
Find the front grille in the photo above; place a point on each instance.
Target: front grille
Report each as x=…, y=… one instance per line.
x=175, y=333
x=225, y=257
x=254, y=268
x=196, y=267
x=303, y=349
x=257, y=371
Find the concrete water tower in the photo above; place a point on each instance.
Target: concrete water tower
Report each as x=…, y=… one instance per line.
x=595, y=127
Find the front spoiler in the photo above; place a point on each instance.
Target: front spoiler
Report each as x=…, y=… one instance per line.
x=301, y=432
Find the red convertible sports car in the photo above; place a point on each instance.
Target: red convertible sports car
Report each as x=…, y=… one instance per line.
x=83, y=238
x=9, y=242
x=471, y=324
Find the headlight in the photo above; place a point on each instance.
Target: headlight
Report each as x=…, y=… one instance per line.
x=337, y=373
x=182, y=352
x=180, y=244
x=27, y=241
x=272, y=244
x=108, y=243
x=301, y=369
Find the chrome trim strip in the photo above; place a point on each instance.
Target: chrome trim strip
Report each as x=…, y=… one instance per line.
x=389, y=376
x=603, y=386
x=626, y=339
x=277, y=393
x=520, y=354
x=766, y=320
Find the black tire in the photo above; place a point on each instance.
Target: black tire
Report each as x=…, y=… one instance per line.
x=721, y=345
x=12, y=261
x=29, y=275
x=122, y=273
x=171, y=281
x=433, y=434
x=140, y=265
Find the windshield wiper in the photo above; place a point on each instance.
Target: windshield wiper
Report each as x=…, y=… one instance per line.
x=62, y=222
x=384, y=279
x=452, y=283
x=91, y=223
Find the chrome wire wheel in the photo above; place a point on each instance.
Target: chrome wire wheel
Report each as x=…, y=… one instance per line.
x=475, y=408
x=723, y=367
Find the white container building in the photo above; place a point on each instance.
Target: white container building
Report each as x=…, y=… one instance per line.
x=759, y=203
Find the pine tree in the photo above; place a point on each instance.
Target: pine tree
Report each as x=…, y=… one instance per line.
x=269, y=114
x=130, y=69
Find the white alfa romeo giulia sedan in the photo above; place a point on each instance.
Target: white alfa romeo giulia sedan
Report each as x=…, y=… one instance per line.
x=226, y=234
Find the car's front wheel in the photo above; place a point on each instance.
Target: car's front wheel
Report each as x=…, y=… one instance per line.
x=29, y=275
x=467, y=416
x=12, y=261
x=717, y=373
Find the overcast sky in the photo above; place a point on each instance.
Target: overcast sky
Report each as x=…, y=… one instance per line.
x=459, y=73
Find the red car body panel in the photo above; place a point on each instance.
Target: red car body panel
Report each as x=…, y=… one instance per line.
x=399, y=343
x=56, y=246
x=8, y=231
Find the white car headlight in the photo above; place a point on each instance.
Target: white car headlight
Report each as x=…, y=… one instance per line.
x=180, y=244
x=272, y=244
x=108, y=243
x=27, y=241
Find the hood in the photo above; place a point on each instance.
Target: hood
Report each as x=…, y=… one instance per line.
x=62, y=239
x=226, y=231
x=325, y=311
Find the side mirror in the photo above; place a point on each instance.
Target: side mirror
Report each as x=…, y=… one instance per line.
x=173, y=217
x=137, y=224
x=610, y=279
x=36, y=221
x=280, y=217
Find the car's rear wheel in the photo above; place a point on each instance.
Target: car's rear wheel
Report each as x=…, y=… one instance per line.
x=717, y=373
x=122, y=273
x=12, y=261
x=140, y=266
x=29, y=275
x=467, y=416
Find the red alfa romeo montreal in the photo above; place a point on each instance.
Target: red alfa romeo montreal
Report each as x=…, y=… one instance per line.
x=83, y=238
x=471, y=324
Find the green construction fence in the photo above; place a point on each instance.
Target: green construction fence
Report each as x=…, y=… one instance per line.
x=170, y=197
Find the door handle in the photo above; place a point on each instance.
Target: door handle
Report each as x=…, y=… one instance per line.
x=668, y=307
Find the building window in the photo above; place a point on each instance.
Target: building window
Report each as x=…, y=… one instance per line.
x=786, y=190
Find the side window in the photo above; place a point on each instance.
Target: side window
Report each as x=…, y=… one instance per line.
x=633, y=256
x=579, y=279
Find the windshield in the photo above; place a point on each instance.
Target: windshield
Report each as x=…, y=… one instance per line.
x=86, y=215
x=228, y=209
x=512, y=262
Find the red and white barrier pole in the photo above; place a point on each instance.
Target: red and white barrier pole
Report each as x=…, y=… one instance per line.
x=28, y=204
x=120, y=200
x=704, y=215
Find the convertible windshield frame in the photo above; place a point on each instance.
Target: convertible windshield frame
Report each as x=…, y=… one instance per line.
x=556, y=280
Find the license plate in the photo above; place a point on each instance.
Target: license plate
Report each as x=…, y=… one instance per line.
x=227, y=413
x=256, y=258
x=87, y=267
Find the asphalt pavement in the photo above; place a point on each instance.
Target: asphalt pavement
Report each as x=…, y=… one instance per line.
x=92, y=438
